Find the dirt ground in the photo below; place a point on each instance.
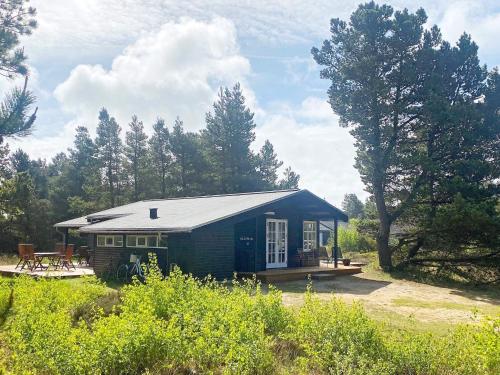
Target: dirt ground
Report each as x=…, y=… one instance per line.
x=400, y=302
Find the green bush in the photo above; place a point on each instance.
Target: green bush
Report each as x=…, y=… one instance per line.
x=337, y=338
x=469, y=349
x=5, y=290
x=183, y=325
x=351, y=240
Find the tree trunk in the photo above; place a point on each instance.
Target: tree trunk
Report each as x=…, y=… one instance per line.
x=384, y=252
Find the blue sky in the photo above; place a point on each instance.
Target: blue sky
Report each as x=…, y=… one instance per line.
x=167, y=58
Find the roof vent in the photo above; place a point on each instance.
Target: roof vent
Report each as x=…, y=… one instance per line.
x=153, y=213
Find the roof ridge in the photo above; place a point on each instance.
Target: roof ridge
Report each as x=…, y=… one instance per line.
x=219, y=195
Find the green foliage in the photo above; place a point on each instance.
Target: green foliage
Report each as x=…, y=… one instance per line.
x=268, y=165
x=42, y=328
x=16, y=20
x=352, y=206
x=424, y=113
x=183, y=325
x=228, y=136
x=337, y=338
x=351, y=239
x=110, y=150
x=136, y=154
x=98, y=173
x=5, y=291
x=469, y=349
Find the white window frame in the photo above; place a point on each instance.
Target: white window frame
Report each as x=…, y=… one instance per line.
x=145, y=237
x=309, y=243
x=113, y=238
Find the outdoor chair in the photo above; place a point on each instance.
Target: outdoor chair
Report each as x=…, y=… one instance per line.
x=323, y=255
x=24, y=256
x=34, y=261
x=66, y=260
x=59, y=249
x=83, y=256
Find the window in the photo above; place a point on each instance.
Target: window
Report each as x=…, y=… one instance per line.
x=163, y=241
x=142, y=241
x=109, y=241
x=310, y=235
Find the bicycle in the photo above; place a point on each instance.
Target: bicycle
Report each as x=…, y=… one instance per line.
x=126, y=272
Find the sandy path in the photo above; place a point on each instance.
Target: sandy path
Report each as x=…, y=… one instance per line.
x=423, y=302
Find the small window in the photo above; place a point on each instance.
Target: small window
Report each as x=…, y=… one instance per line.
x=131, y=241
x=118, y=241
x=142, y=241
x=101, y=240
x=109, y=241
x=152, y=241
x=310, y=236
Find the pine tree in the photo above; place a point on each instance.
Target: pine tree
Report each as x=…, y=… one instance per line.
x=290, y=179
x=15, y=21
x=83, y=163
x=159, y=149
x=268, y=165
x=110, y=149
x=136, y=153
x=228, y=135
x=189, y=165
x=352, y=206
x=413, y=103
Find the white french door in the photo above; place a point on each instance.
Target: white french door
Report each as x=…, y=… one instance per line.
x=276, y=243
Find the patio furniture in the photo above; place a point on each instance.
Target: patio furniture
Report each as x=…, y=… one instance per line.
x=66, y=260
x=307, y=258
x=83, y=256
x=323, y=255
x=24, y=256
x=59, y=252
x=35, y=258
x=51, y=256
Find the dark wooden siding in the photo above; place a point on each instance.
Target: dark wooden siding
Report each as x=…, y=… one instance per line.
x=214, y=251
x=181, y=251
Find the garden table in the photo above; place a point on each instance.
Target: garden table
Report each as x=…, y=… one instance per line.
x=51, y=256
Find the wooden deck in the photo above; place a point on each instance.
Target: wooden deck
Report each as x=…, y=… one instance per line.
x=11, y=270
x=324, y=271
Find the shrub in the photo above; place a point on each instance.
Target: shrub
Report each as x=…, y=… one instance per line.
x=41, y=331
x=221, y=325
x=183, y=325
x=468, y=349
x=339, y=338
x=5, y=290
x=350, y=238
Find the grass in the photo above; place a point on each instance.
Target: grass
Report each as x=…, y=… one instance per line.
x=391, y=321
x=7, y=259
x=417, y=303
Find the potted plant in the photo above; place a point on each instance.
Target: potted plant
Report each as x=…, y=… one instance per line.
x=346, y=261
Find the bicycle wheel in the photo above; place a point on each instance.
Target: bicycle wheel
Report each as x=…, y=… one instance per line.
x=122, y=273
x=136, y=270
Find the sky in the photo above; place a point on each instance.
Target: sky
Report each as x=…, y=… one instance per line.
x=163, y=58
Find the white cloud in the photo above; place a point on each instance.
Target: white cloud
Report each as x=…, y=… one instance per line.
x=175, y=71
x=477, y=19
x=310, y=140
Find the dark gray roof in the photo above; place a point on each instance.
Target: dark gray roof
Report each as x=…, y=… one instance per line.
x=176, y=214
